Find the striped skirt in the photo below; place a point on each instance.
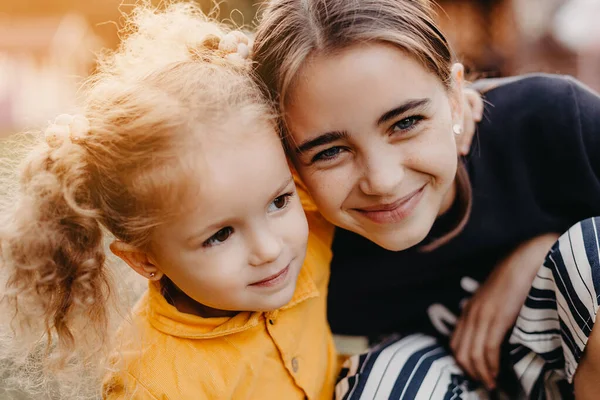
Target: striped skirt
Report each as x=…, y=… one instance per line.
x=544, y=350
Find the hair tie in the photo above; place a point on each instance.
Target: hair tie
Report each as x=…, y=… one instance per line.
x=235, y=45
x=72, y=128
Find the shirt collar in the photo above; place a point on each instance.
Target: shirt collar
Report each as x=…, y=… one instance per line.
x=167, y=319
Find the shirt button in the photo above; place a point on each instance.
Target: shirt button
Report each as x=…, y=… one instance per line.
x=295, y=364
x=272, y=321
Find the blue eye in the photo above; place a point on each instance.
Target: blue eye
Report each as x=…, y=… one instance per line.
x=406, y=124
x=218, y=237
x=280, y=202
x=328, y=154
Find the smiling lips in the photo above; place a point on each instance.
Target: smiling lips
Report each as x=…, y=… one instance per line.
x=393, y=212
x=274, y=279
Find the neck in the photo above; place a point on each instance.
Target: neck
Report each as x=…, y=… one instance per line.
x=448, y=199
x=185, y=304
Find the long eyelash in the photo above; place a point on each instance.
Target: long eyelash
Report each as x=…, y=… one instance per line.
x=209, y=242
x=285, y=195
x=288, y=197
x=417, y=120
x=316, y=156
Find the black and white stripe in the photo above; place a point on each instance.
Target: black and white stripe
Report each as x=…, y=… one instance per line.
x=546, y=344
x=413, y=367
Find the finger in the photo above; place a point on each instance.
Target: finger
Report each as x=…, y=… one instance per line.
x=456, y=335
x=492, y=349
x=472, y=110
x=463, y=352
x=475, y=104
x=459, y=327
x=463, y=142
x=478, y=358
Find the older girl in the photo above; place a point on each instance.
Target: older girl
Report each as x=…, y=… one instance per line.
x=369, y=94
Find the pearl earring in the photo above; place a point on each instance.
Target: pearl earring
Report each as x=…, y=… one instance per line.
x=152, y=274
x=457, y=129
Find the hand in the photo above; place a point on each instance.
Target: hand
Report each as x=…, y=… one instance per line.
x=472, y=114
x=494, y=308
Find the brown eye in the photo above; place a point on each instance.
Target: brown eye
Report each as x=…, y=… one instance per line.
x=280, y=202
x=223, y=234
x=218, y=237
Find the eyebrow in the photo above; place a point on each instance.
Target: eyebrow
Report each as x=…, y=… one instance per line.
x=320, y=140
x=330, y=137
x=409, y=105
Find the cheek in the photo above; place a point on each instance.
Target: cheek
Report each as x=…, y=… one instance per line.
x=294, y=227
x=204, y=273
x=214, y=283
x=328, y=188
x=435, y=153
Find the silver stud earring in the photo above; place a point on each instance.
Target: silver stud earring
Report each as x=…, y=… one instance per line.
x=457, y=129
x=152, y=274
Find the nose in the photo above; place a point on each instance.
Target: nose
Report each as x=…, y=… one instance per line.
x=265, y=246
x=381, y=175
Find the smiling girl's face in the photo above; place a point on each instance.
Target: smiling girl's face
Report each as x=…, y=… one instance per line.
x=242, y=241
x=372, y=131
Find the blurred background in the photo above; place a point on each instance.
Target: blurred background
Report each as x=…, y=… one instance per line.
x=48, y=47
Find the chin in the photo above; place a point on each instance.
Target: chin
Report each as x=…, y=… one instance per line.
x=398, y=240
x=280, y=299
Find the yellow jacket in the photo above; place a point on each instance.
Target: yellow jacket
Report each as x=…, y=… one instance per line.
x=284, y=354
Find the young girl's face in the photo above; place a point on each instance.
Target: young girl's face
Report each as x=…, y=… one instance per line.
x=243, y=242
x=375, y=146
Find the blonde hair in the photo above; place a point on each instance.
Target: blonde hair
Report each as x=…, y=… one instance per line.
x=165, y=86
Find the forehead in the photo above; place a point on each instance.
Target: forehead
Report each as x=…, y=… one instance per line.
x=360, y=79
x=232, y=162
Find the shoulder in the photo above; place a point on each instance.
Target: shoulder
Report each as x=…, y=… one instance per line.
x=165, y=367
x=534, y=92
x=538, y=107
x=154, y=365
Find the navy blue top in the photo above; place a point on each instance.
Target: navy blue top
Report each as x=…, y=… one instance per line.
x=534, y=168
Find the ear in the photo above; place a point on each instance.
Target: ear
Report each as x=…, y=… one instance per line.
x=457, y=101
x=137, y=259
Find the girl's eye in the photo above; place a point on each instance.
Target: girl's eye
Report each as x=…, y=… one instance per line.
x=218, y=237
x=280, y=202
x=328, y=154
x=406, y=124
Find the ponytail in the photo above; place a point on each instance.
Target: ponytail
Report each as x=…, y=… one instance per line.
x=52, y=252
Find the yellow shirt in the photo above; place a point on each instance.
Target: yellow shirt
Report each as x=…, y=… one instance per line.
x=284, y=354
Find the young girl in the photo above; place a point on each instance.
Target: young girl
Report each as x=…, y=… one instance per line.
x=177, y=157
x=370, y=97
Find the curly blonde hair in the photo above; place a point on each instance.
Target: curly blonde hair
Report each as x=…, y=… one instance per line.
x=159, y=92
